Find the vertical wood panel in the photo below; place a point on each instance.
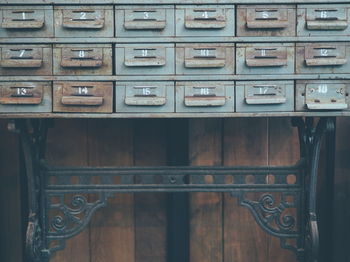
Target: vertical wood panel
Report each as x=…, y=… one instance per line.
x=245, y=143
x=10, y=202
x=205, y=148
x=66, y=146
x=283, y=151
x=150, y=208
x=112, y=228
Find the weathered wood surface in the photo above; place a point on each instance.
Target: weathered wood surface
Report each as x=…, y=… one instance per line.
x=118, y=232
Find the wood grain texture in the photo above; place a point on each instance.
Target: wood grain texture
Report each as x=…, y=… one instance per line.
x=205, y=148
x=283, y=146
x=110, y=143
x=150, y=208
x=10, y=197
x=66, y=146
x=245, y=143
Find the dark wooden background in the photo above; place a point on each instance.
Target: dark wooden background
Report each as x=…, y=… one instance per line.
x=133, y=228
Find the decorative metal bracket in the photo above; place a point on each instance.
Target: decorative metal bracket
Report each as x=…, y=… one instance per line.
x=60, y=208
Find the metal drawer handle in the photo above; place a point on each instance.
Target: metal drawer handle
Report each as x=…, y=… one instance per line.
x=23, y=22
x=82, y=22
x=146, y=22
x=22, y=95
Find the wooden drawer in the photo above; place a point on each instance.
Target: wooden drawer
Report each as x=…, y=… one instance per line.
x=25, y=97
x=83, y=97
x=26, y=21
x=25, y=60
x=266, y=20
x=76, y=59
x=84, y=21
x=205, y=96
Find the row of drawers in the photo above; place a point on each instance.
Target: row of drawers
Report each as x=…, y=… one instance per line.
x=179, y=59
x=179, y=20
x=167, y=97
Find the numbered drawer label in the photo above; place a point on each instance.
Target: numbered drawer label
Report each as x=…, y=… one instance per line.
x=26, y=21
x=204, y=96
x=144, y=21
x=323, y=58
x=82, y=60
x=145, y=59
x=323, y=20
x=265, y=58
x=25, y=60
x=206, y=20
x=264, y=96
x=93, y=97
x=25, y=97
x=266, y=20
x=84, y=21
x=205, y=59
x=144, y=97
x=322, y=95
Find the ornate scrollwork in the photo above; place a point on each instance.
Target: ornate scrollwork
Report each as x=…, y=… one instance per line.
x=71, y=218
x=273, y=216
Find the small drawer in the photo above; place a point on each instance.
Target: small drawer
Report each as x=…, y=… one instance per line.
x=84, y=21
x=198, y=97
x=26, y=21
x=90, y=97
x=265, y=58
x=264, y=96
x=25, y=97
x=265, y=20
x=75, y=59
x=327, y=95
x=203, y=59
x=25, y=60
x=145, y=59
x=145, y=97
x=205, y=20
x=322, y=58
x=323, y=20
x=145, y=21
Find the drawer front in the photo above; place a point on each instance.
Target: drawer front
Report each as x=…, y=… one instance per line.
x=84, y=21
x=264, y=96
x=313, y=95
x=265, y=58
x=25, y=97
x=144, y=97
x=77, y=59
x=145, y=59
x=145, y=21
x=203, y=97
x=205, y=20
x=81, y=97
x=26, y=21
x=323, y=20
x=202, y=59
x=25, y=60
x=263, y=20
x=323, y=58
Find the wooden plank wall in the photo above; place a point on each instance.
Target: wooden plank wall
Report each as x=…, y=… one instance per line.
x=133, y=228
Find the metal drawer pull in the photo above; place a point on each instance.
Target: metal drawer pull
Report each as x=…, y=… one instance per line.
x=325, y=21
x=205, y=19
x=145, y=58
x=22, y=95
x=205, y=59
x=80, y=100
x=145, y=97
x=82, y=20
x=144, y=20
x=21, y=59
x=82, y=59
x=204, y=96
x=266, y=57
x=325, y=97
x=266, y=19
x=23, y=22
x=325, y=56
x=264, y=94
